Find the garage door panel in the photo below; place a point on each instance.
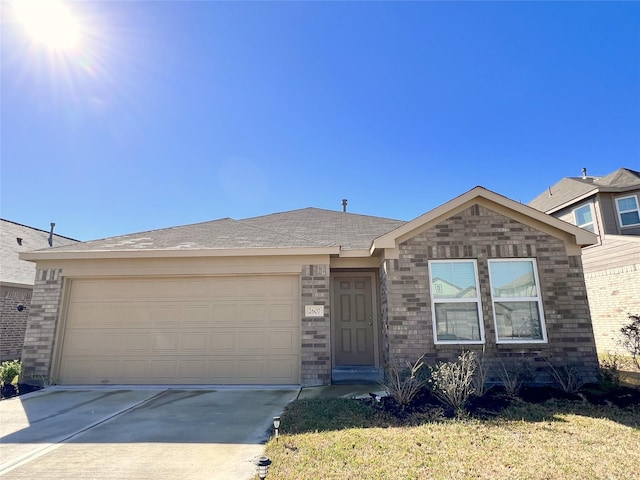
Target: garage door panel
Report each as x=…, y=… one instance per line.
x=166, y=342
x=223, y=314
x=223, y=342
x=282, y=341
x=196, y=316
x=195, y=342
x=207, y=330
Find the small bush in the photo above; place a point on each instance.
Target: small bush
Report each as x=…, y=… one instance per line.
x=513, y=377
x=404, y=383
x=631, y=338
x=567, y=378
x=452, y=382
x=9, y=370
x=610, y=366
x=480, y=380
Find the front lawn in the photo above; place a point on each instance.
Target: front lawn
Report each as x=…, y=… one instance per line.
x=556, y=439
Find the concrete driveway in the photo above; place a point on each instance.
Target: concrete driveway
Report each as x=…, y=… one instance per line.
x=137, y=432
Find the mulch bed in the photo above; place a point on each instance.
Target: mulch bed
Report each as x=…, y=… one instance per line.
x=494, y=401
x=8, y=391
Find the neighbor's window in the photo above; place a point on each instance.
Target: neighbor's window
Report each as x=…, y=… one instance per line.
x=584, y=218
x=517, y=306
x=628, y=211
x=455, y=301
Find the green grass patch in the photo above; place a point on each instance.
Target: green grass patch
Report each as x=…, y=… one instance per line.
x=558, y=439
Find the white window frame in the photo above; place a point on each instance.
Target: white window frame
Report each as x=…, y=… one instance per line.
x=585, y=225
x=620, y=212
x=477, y=300
x=537, y=299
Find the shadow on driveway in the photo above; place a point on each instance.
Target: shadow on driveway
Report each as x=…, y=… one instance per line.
x=137, y=433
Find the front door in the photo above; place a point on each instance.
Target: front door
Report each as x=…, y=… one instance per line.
x=353, y=322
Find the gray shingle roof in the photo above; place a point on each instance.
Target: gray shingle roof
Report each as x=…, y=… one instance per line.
x=12, y=269
x=309, y=227
x=571, y=188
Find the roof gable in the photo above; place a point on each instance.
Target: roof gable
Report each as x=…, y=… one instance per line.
x=494, y=201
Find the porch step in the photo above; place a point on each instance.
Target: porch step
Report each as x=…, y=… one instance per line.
x=356, y=375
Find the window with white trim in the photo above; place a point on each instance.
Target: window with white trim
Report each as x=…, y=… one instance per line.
x=455, y=301
x=584, y=217
x=628, y=211
x=517, y=305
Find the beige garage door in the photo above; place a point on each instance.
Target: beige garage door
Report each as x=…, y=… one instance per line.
x=221, y=330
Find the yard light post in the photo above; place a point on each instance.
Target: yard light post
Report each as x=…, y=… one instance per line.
x=263, y=466
x=276, y=425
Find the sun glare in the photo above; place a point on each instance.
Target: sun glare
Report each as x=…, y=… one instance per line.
x=49, y=22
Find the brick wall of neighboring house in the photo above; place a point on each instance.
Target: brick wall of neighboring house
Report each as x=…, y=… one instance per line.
x=41, y=327
x=316, y=332
x=613, y=294
x=481, y=234
x=13, y=321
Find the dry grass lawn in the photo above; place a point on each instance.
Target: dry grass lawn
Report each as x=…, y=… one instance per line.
x=554, y=440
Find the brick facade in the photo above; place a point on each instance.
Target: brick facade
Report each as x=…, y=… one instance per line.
x=481, y=234
x=13, y=321
x=316, y=332
x=613, y=294
x=41, y=327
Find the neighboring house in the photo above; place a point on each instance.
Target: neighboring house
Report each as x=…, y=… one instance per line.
x=609, y=206
x=299, y=297
x=16, y=281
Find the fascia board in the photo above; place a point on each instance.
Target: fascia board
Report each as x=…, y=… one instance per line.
x=356, y=253
x=160, y=253
x=573, y=201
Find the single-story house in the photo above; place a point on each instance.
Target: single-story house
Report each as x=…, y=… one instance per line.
x=16, y=281
x=296, y=297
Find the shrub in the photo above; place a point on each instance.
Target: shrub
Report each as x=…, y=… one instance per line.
x=631, y=338
x=452, y=382
x=610, y=366
x=403, y=383
x=567, y=378
x=9, y=370
x=480, y=380
x=513, y=377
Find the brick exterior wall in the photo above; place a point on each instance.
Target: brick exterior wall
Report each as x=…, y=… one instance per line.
x=316, y=332
x=41, y=327
x=479, y=233
x=13, y=322
x=613, y=294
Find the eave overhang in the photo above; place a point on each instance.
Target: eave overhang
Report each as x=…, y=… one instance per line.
x=175, y=253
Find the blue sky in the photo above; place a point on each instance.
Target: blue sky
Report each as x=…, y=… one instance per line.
x=169, y=113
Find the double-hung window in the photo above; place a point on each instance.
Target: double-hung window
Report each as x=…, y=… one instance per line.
x=517, y=306
x=455, y=301
x=628, y=211
x=584, y=217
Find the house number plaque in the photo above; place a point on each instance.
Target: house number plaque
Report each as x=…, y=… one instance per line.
x=314, y=310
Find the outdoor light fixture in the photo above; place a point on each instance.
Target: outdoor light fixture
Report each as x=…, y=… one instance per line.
x=276, y=425
x=263, y=466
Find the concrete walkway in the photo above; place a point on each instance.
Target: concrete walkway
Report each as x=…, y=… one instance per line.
x=137, y=433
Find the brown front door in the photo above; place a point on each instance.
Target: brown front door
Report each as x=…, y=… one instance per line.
x=353, y=322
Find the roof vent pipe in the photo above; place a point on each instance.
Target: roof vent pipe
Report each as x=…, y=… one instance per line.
x=51, y=234
x=584, y=173
x=344, y=204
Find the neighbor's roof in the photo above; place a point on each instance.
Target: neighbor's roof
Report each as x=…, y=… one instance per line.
x=12, y=269
x=306, y=228
x=571, y=190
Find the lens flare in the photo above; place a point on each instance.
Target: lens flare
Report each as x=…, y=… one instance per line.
x=49, y=22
